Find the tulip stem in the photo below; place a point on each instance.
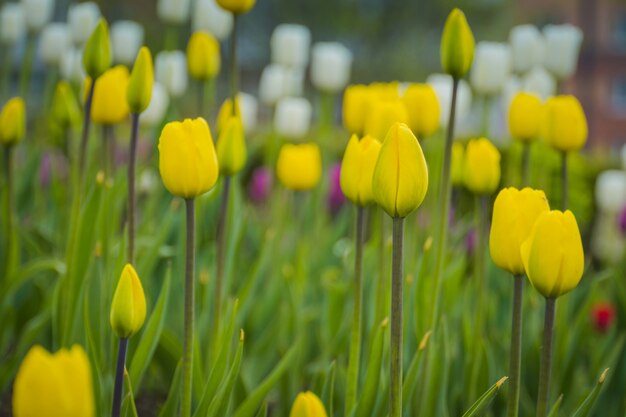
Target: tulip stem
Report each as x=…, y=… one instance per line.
x=525, y=165
x=355, y=339
x=8, y=176
x=395, y=398
x=131, y=187
x=189, y=306
x=82, y=151
x=221, y=254
x=119, y=377
x=546, y=358
x=564, y=181
x=482, y=208
x=27, y=64
x=515, y=359
x=234, y=76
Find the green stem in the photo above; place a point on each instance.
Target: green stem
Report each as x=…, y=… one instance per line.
x=131, y=187
x=355, y=339
x=5, y=69
x=564, y=181
x=515, y=359
x=546, y=358
x=189, y=307
x=326, y=111
x=395, y=391
x=482, y=203
x=119, y=378
x=234, y=75
x=486, y=113
x=221, y=256
x=8, y=175
x=526, y=164
x=27, y=65
x=82, y=150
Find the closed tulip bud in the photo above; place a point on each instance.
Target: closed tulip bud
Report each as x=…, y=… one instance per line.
x=384, y=114
x=540, y=82
x=55, y=40
x=171, y=71
x=307, y=404
x=72, y=66
x=97, y=52
x=481, y=167
x=456, y=168
x=209, y=17
x=225, y=113
x=299, y=166
x=127, y=38
x=331, y=63
x=356, y=102
x=457, y=45
x=442, y=84
x=140, y=83
x=37, y=13
x=203, y=56
x=527, y=47
x=64, y=110
x=12, y=23
x=292, y=117
x=174, y=11
x=611, y=191
x=236, y=6
x=565, y=124
x=492, y=65
x=385, y=91
x=13, y=122
x=400, y=178
x=159, y=103
x=290, y=45
x=231, y=146
x=357, y=169
x=423, y=108
x=525, y=117
x=553, y=254
x=514, y=215
x=128, y=309
x=60, y=383
x=247, y=108
x=82, y=19
x=187, y=159
x=110, y=105
x=562, y=48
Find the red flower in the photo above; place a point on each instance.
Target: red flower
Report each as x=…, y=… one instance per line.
x=603, y=315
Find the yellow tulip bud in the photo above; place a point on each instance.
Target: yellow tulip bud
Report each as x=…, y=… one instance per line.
x=203, y=56
x=400, y=178
x=64, y=111
x=187, y=159
x=514, y=215
x=457, y=160
x=97, y=52
x=299, y=167
x=525, y=116
x=236, y=6
x=422, y=106
x=109, y=105
x=481, y=166
x=565, y=124
x=384, y=114
x=385, y=91
x=553, y=254
x=50, y=385
x=356, y=101
x=13, y=121
x=357, y=169
x=128, y=309
x=225, y=113
x=141, y=81
x=307, y=404
x=231, y=147
x=457, y=45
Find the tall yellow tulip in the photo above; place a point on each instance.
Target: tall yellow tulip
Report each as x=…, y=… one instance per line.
x=13, y=121
x=299, y=167
x=457, y=45
x=423, y=109
x=357, y=169
x=481, y=166
x=203, y=56
x=128, y=309
x=307, y=404
x=565, y=124
x=525, y=116
x=110, y=105
x=382, y=115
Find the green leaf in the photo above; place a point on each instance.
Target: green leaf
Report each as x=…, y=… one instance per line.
x=129, y=400
x=410, y=379
x=554, y=411
x=220, y=402
x=372, y=376
x=585, y=408
x=263, y=410
x=328, y=390
x=173, y=396
x=485, y=399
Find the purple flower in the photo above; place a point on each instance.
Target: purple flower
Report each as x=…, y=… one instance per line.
x=622, y=221
x=335, y=197
x=260, y=185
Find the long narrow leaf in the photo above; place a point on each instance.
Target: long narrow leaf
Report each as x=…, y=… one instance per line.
x=585, y=408
x=485, y=399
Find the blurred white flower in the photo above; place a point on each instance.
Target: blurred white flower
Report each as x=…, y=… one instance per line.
x=331, y=63
x=210, y=17
x=148, y=180
x=174, y=11
x=249, y=108
x=540, y=82
x=527, y=47
x=562, y=48
x=55, y=40
x=290, y=45
x=126, y=39
x=171, y=71
x=82, y=19
x=607, y=243
x=611, y=191
x=12, y=23
x=292, y=117
x=37, y=13
x=72, y=66
x=155, y=112
x=442, y=83
x=492, y=65
x=512, y=86
x=278, y=81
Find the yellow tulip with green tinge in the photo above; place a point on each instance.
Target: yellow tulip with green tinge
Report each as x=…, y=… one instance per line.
x=139, y=92
x=13, y=121
x=457, y=45
x=231, y=147
x=357, y=169
x=97, y=53
x=128, y=309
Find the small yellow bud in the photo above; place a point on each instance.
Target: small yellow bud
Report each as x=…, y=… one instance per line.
x=307, y=404
x=140, y=84
x=13, y=121
x=481, y=167
x=203, y=56
x=231, y=147
x=525, y=116
x=357, y=169
x=422, y=106
x=356, y=102
x=128, y=309
x=97, y=52
x=225, y=113
x=109, y=105
x=384, y=114
x=457, y=45
x=236, y=6
x=565, y=125
x=299, y=167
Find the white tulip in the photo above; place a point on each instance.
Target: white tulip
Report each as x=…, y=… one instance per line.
x=37, y=13
x=171, y=71
x=527, y=47
x=126, y=39
x=55, y=40
x=442, y=84
x=331, y=63
x=12, y=23
x=278, y=81
x=607, y=243
x=72, y=66
x=540, y=82
x=562, y=48
x=159, y=102
x=249, y=108
x=492, y=65
x=82, y=19
x=174, y=11
x=290, y=45
x=210, y=17
x=292, y=117
x=611, y=191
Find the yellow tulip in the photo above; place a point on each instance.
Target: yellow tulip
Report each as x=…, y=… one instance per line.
x=128, y=309
x=141, y=81
x=299, y=167
x=51, y=385
x=231, y=147
x=13, y=121
x=457, y=45
x=357, y=169
x=97, y=52
x=187, y=159
x=64, y=110
x=356, y=101
x=307, y=404
x=203, y=56
x=565, y=124
x=456, y=169
x=422, y=106
x=236, y=6
x=481, y=166
x=382, y=115
x=110, y=105
x=553, y=254
x=525, y=116
x=225, y=113
x=385, y=91
x=400, y=178
x=514, y=215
